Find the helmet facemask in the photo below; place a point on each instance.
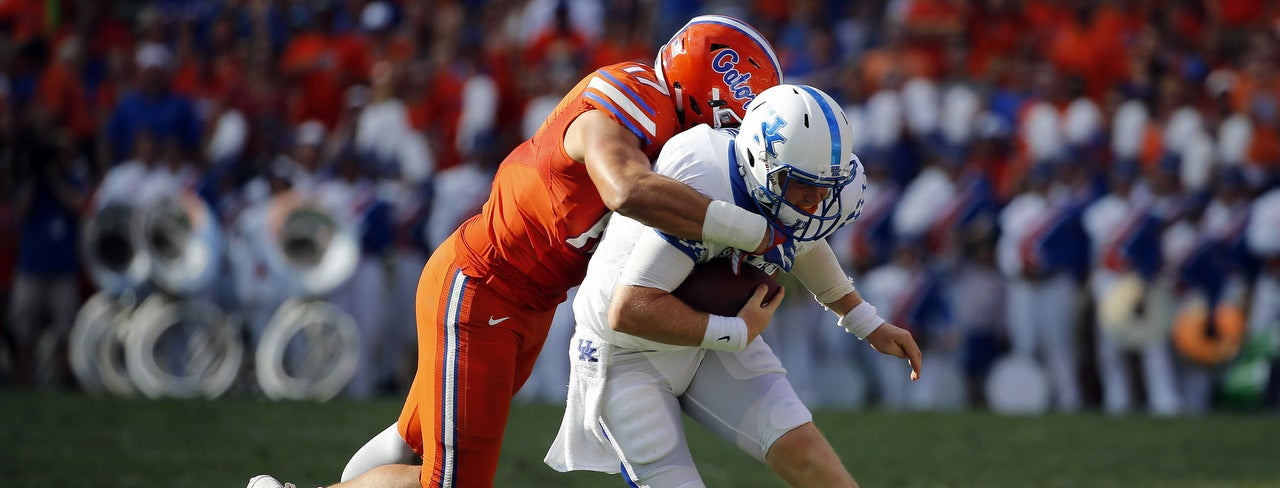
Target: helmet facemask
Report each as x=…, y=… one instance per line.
x=802, y=223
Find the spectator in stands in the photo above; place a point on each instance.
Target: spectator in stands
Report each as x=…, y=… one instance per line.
x=63, y=97
x=911, y=294
x=1038, y=252
x=50, y=198
x=312, y=65
x=974, y=290
x=153, y=106
x=1125, y=245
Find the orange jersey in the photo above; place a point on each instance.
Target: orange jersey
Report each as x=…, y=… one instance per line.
x=544, y=216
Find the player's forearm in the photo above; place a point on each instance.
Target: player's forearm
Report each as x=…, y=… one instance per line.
x=820, y=272
x=655, y=315
x=844, y=304
x=677, y=209
x=663, y=203
x=627, y=184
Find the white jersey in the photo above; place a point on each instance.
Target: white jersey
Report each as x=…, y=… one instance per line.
x=1102, y=220
x=918, y=209
x=1017, y=220
x=120, y=184
x=700, y=158
x=1263, y=233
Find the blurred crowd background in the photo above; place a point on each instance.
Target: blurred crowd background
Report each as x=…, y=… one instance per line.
x=1047, y=178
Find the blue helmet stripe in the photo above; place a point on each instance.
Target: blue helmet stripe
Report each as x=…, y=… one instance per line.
x=832, y=126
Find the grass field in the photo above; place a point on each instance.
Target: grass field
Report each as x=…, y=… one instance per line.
x=62, y=440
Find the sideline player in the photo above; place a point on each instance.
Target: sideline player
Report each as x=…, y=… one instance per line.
x=640, y=356
x=487, y=296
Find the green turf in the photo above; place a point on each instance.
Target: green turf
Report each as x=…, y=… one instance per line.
x=62, y=440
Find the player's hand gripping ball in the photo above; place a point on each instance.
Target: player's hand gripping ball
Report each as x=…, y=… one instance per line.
x=713, y=287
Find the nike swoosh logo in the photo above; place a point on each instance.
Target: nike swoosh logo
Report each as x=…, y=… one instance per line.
x=493, y=321
x=723, y=339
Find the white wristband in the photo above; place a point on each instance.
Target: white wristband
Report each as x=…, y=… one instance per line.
x=730, y=225
x=725, y=333
x=861, y=321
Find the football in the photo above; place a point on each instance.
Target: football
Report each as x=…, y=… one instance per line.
x=714, y=288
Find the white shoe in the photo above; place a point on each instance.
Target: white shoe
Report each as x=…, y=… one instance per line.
x=267, y=481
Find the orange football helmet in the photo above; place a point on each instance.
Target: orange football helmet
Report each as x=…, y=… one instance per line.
x=713, y=67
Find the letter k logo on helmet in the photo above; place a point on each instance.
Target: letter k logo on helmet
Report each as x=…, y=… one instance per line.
x=770, y=131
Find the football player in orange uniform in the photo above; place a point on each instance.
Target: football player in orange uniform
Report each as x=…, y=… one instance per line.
x=487, y=296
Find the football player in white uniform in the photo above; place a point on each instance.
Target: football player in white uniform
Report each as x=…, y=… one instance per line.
x=640, y=356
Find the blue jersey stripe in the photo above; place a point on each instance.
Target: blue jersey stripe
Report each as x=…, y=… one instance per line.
x=622, y=117
x=693, y=249
x=635, y=97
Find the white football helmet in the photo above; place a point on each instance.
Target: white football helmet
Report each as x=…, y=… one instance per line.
x=798, y=134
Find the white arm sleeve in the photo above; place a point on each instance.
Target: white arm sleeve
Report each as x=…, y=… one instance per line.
x=820, y=273
x=654, y=263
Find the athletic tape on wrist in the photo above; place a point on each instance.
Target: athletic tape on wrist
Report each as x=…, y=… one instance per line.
x=861, y=321
x=730, y=225
x=725, y=333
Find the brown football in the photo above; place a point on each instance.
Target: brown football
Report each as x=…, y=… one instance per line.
x=712, y=287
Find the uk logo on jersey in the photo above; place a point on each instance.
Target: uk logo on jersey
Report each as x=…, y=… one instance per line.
x=726, y=63
x=587, y=351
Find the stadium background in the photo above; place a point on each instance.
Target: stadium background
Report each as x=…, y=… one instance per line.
x=406, y=107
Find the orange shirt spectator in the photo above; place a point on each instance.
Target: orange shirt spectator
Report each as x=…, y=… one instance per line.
x=776, y=11
x=207, y=80
x=313, y=62
x=1152, y=148
x=1240, y=13
x=1043, y=18
x=1092, y=49
x=1264, y=147
x=437, y=112
x=355, y=58
x=1119, y=24
x=62, y=95
x=929, y=25
x=397, y=49
x=888, y=66
x=569, y=44
x=26, y=16
x=993, y=35
x=616, y=49
x=1257, y=82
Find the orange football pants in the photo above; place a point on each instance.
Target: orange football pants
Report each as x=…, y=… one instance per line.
x=475, y=351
